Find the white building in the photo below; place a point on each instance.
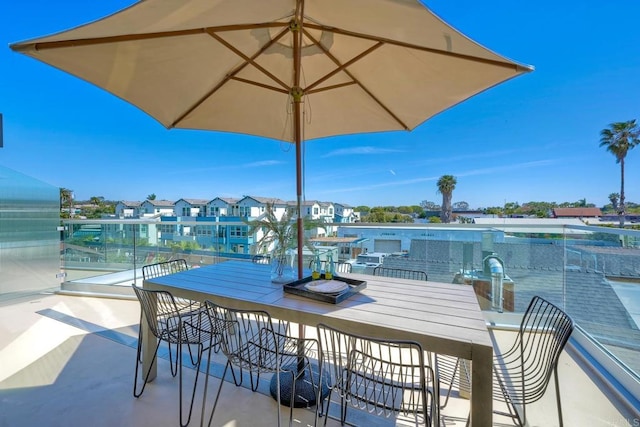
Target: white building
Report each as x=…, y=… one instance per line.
x=191, y=207
x=222, y=206
x=157, y=208
x=128, y=209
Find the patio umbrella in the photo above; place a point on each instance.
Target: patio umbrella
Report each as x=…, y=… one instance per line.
x=289, y=70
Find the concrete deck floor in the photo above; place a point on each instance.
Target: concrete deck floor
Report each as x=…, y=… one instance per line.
x=69, y=361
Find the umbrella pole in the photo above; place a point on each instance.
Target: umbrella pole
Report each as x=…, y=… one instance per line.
x=296, y=103
x=304, y=378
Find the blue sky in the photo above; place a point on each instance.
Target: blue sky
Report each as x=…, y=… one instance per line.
x=534, y=138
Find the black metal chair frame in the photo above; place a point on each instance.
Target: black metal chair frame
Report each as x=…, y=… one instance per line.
x=383, y=377
x=522, y=373
x=169, y=324
x=162, y=269
x=399, y=273
x=447, y=369
x=261, y=259
x=250, y=342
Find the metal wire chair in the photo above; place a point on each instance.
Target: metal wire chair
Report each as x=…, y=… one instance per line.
x=399, y=273
x=447, y=369
x=340, y=267
x=522, y=373
x=251, y=342
x=261, y=259
x=162, y=269
x=383, y=377
x=169, y=324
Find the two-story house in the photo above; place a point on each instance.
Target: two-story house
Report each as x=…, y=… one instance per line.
x=128, y=209
x=191, y=207
x=222, y=206
x=157, y=208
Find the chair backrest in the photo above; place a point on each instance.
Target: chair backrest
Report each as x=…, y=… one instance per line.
x=341, y=267
x=261, y=259
x=384, y=377
x=247, y=337
x=160, y=310
x=163, y=268
x=399, y=273
x=525, y=370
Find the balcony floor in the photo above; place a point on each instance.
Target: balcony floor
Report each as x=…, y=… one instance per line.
x=69, y=361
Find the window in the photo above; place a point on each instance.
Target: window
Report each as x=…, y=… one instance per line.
x=238, y=231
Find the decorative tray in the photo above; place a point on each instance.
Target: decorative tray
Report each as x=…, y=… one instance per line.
x=334, y=291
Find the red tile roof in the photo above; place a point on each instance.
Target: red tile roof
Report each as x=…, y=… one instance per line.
x=577, y=212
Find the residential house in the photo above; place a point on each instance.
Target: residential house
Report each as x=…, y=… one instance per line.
x=583, y=213
x=191, y=207
x=128, y=209
x=157, y=208
x=222, y=206
x=254, y=207
x=344, y=213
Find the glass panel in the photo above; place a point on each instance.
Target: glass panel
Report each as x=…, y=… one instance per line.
x=29, y=236
x=593, y=273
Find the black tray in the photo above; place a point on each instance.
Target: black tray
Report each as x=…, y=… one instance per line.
x=298, y=288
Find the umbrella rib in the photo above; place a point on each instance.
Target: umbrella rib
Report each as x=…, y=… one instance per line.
x=327, y=88
x=343, y=67
x=23, y=47
x=495, y=62
x=262, y=85
x=232, y=74
x=251, y=60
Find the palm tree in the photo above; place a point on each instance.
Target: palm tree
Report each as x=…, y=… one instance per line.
x=66, y=203
x=619, y=138
x=446, y=185
x=613, y=198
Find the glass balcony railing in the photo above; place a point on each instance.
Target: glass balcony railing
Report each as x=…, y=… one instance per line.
x=593, y=273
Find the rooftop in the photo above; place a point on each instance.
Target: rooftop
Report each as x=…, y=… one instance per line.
x=69, y=361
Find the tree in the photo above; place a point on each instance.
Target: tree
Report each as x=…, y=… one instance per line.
x=446, y=185
x=429, y=206
x=613, y=198
x=461, y=206
x=510, y=208
x=97, y=200
x=364, y=210
x=618, y=139
x=66, y=203
x=151, y=196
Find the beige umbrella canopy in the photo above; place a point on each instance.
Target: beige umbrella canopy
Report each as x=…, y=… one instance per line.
x=290, y=70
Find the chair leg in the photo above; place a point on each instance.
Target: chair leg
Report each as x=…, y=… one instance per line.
x=278, y=394
x=215, y=402
x=195, y=383
x=137, y=393
x=555, y=374
x=140, y=339
x=292, y=400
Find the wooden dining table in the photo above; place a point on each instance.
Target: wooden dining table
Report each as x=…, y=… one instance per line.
x=443, y=317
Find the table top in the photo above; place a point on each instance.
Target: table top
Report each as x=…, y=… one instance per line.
x=443, y=317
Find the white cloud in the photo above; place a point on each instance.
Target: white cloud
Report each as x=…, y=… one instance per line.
x=360, y=150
